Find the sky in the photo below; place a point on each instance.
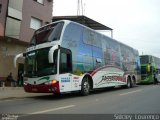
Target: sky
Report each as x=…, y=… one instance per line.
x=134, y=22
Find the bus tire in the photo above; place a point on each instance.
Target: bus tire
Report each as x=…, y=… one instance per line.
x=129, y=83
x=133, y=81
x=85, y=86
x=57, y=94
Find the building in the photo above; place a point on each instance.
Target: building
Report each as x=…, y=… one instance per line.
x=18, y=21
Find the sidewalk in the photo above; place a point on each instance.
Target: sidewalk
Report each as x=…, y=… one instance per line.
x=16, y=92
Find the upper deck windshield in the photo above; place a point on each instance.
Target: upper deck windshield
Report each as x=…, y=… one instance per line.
x=144, y=59
x=37, y=64
x=47, y=33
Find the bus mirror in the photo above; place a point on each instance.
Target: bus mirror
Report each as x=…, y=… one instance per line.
x=16, y=57
x=51, y=52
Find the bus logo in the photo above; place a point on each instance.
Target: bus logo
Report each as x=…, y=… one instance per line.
x=65, y=79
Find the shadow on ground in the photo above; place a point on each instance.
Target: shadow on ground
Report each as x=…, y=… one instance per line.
x=77, y=94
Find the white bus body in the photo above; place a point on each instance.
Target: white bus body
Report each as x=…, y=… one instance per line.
x=66, y=56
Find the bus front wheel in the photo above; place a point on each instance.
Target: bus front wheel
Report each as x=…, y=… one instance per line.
x=85, y=86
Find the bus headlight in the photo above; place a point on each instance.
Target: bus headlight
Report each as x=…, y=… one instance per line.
x=25, y=83
x=50, y=82
x=54, y=81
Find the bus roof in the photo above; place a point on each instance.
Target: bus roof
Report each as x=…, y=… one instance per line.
x=69, y=21
x=84, y=21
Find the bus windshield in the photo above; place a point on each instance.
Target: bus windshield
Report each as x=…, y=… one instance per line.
x=37, y=64
x=144, y=59
x=47, y=33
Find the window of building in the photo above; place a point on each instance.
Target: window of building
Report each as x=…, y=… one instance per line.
x=12, y=28
x=40, y=1
x=15, y=9
x=35, y=23
x=0, y=7
x=16, y=4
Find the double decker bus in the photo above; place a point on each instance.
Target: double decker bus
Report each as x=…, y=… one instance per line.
x=150, y=69
x=66, y=56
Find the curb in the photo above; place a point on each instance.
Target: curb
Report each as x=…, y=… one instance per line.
x=7, y=93
x=11, y=88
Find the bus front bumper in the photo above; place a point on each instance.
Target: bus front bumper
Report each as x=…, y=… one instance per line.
x=146, y=80
x=53, y=88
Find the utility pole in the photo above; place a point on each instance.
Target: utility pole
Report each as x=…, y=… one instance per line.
x=79, y=7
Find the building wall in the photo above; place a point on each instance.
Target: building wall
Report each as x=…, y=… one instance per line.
x=3, y=12
x=8, y=50
x=42, y=12
x=11, y=45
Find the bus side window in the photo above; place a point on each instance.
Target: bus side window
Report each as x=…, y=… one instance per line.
x=65, y=62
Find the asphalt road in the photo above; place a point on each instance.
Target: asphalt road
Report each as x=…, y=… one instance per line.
x=143, y=99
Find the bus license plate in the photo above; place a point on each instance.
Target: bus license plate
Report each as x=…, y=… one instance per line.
x=34, y=89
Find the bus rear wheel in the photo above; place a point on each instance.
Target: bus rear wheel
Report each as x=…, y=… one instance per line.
x=129, y=83
x=85, y=87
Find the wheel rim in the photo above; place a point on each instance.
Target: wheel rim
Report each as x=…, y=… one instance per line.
x=128, y=84
x=86, y=87
x=134, y=82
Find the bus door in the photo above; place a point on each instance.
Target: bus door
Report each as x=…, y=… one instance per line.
x=65, y=70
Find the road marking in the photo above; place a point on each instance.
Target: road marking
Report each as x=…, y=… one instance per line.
x=54, y=109
x=131, y=92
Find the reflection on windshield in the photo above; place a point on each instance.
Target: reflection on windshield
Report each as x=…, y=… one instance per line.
x=37, y=64
x=48, y=33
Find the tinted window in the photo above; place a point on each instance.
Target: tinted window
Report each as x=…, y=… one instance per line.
x=48, y=33
x=65, y=61
x=144, y=59
x=37, y=64
x=92, y=38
